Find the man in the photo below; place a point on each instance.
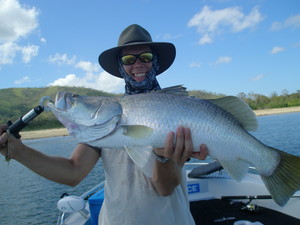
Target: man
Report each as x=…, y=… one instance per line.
x=130, y=196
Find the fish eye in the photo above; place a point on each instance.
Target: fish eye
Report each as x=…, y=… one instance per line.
x=75, y=95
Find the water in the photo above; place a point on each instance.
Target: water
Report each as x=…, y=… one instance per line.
x=26, y=198
x=280, y=131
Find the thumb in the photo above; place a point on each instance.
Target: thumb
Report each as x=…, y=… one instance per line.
x=3, y=140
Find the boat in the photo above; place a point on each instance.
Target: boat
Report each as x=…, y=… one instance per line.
x=215, y=198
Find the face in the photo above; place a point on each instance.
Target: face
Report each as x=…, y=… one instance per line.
x=139, y=70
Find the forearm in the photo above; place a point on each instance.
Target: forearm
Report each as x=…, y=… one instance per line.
x=166, y=177
x=69, y=171
x=57, y=169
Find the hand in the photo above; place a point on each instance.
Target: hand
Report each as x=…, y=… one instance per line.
x=167, y=176
x=3, y=139
x=182, y=149
x=9, y=145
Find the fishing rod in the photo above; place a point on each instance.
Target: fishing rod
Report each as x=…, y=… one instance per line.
x=23, y=121
x=249, y=197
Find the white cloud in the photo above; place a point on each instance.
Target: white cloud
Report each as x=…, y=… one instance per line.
x=22, y=80
x=210, y=22
x=195, y=65
x=69, y=80
x=223, y=59
x=28, y=52
x=291, y=22
x=277, y=49
x=258, y=77
x=276, y=26
x=167, y=36
x=43, y=40
x=8, y=51
x=205, y=39
x=16, y=20
x=103, y=81
x=62, y=59
x=88, y=66
x=91, y=79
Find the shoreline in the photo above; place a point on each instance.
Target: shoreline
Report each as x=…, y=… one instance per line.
x=264, y=112
x=46, y=133
x=27, y=135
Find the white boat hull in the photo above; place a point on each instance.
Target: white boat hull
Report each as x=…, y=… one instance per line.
x=217, y=185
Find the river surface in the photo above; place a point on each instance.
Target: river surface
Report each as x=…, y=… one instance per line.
x=26, y=198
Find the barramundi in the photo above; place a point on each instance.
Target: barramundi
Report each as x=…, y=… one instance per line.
x=141, y=122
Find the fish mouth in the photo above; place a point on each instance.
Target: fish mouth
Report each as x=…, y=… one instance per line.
x=61, y=100
x=61, y=103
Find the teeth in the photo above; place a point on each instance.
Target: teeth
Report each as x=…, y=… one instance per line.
x=139, y=74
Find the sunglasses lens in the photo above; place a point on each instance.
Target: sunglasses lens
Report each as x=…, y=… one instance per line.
x=128, y=59
x=131, y=59
x=146, y=57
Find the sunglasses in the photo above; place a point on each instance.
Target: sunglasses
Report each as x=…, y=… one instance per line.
x=131, y=58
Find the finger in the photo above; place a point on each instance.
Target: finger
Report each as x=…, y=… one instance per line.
x=167, y=151
x=169, y=144
x=188, y=145
x=179, y=144
x=3, y=128
x=3, y=139
x=203, y=151
x=188, y=141
x=3, y=144
x=202, y=154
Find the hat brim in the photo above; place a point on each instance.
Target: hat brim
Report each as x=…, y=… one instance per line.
x=164, y=51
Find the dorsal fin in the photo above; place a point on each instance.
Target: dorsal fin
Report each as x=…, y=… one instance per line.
x=239, y=109
x=174, y=90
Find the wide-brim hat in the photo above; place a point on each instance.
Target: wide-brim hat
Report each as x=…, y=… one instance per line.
x=137, y=35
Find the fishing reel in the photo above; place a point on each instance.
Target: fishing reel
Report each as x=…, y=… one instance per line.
x=250, y=207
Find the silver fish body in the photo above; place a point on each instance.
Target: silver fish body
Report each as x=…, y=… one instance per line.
x=141, y=120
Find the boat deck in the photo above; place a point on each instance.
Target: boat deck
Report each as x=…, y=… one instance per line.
x=217, y=199
x=219, y=212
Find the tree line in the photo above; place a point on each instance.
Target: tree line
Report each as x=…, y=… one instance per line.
x=257, y=101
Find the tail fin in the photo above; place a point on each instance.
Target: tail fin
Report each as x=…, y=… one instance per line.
x=285, y=180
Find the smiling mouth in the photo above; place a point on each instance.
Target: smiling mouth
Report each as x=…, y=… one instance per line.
x=139, y=74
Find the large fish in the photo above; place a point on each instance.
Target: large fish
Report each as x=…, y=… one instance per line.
x=136, y=122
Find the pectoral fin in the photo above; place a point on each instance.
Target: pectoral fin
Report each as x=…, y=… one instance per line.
x=137, y=131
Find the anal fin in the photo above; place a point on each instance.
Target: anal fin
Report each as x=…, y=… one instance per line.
x=237, y=169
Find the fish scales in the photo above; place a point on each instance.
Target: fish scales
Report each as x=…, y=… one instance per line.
x=164, y=113
x=135, y=122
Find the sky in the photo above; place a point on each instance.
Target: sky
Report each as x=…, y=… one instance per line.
x=222, y=46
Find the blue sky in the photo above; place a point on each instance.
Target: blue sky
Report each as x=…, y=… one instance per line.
x=223, y=46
